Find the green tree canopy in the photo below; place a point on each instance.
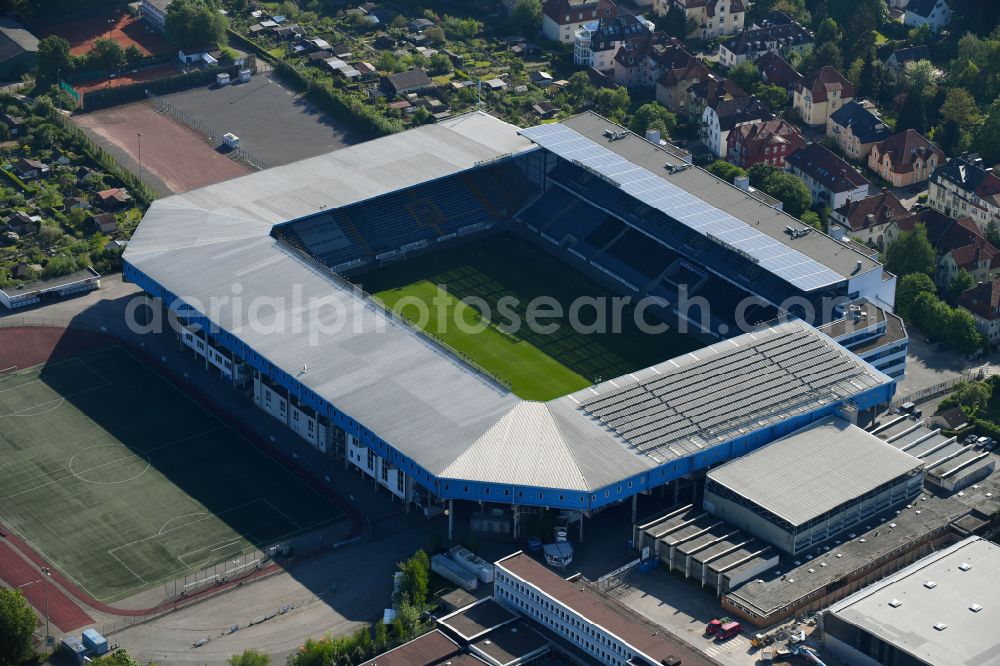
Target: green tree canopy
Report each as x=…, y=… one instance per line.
x=195, y=23
x=908, y=288
x=613, y=103
x=973, y=395
x=17, y=623
x=789, y=189
x=745, y=75
x=250, y=657
x=960, y=331
x=963, y=280
x=920, y=76
x=53, y=57
x=653, y=115
x=526, y=17
x=911, y=252
x=827, y=31
x=988, y=134
x=724, y=170
x=913, y=114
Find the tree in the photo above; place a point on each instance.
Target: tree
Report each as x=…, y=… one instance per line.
x=789, y=189
x=827, y=31
x=250, y=657
x=988, y=135
x=908, y=288
x=132, y=54
x=827, y=54
x=381, y=640
x=973, y=395
x=911, y=252
x=674, y=22
x=812, y=219
x=107, y=54
x=920, y=76
x=434, y=34
x=724, y=170
x=416, y=578
x=580, y=90
x=526, y=17
x=438, y=64
x=872, y=76
x=193, y=23
x=745, y=75
x=53, y=58
x=775, y=97
x=913, y=114
x=960, y=106
x=653, y=115
x=613, y=103
x=17, y=623
x=963, y=280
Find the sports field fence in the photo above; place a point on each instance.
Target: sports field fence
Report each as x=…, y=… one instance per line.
x=212, y=135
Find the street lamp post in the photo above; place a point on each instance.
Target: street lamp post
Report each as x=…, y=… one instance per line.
x=45, y=580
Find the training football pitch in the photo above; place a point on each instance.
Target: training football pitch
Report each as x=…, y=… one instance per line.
x=123, y=482
x=436, y=290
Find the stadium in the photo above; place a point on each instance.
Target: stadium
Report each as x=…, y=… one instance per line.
x=266, y=278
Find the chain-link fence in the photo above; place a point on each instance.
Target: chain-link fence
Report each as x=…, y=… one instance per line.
x=928, y=392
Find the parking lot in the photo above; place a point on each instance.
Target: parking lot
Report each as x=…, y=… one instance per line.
x=927, y=364
x=274, y=124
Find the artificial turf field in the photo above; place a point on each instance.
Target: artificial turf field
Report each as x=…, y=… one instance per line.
x=122, y=481
x=537, y=365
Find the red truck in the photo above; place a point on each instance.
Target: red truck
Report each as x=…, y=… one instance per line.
x=728, y=630
x=712, y=628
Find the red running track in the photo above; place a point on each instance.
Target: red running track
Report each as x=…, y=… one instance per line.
x=62, y=611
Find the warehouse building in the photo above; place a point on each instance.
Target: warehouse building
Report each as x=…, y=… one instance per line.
x=941, y=609
x=812, y=485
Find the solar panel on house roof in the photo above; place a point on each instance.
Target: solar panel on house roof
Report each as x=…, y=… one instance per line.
x=772, y=255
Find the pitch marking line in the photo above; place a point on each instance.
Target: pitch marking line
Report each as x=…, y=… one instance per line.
x=185, y=515
x=282, y=514
x=89, y=469
x=209, y=559
x=141, y=579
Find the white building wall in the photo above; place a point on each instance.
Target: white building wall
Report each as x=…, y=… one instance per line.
x=270, y=400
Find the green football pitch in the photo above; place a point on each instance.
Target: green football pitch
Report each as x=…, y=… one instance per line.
x=436, y=290
x=123, y=482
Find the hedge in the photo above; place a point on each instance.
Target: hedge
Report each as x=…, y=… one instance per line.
x=17, y=182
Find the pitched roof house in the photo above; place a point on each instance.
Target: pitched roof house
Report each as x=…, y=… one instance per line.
x=679, y=70
x=776, y=71
x=768, y=142
x=964, y=187
x=867, y=218
x=856, y=129
x=562, y=18
x=905, y=158
x=719, y=119
x=820, y=94
x=832, y=181
x=983, y=301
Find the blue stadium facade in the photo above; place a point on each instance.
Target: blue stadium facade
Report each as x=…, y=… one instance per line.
x=428, y=426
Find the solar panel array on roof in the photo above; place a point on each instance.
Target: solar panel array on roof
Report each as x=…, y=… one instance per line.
x=676, y=411
x=773, y=255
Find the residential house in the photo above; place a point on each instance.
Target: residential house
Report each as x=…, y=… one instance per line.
x=633, y=65
x=114, y=198
x=545, y=110
x=420, y=24
x=198, y=55
x=22, y=224
x=768, y=142
x=959, y=245
x=867, y=219
x=775, y=71
x=18, y=49
x=540, y=78
x=708, y=18
x=597, y=43
x=856, y=128
x=897, y=61
x=905, y=158
x=963, y=187
x=983, y=301
x=562, y=18
x=59, y=157
x=707, y=92
x=752, y=44
x=15, y=124
x=106, y=223
x=820, y=94
x=27, y=168
x=679, y=70
x=832, y=181
x=933, y=13
x=721, y=118
x=403, y=83
x=155, y=13
x=70, y=203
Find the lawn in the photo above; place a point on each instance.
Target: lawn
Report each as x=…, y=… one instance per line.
x=123, y=482
x=538, y=364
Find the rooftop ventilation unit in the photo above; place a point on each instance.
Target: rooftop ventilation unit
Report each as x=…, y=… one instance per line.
x=895, y=603
x=964, y=566
x=975, y=608
x=940, y=626
x=929, y=584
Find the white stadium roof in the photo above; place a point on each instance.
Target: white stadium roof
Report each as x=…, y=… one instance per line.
x=814, y=470
x=212, y=248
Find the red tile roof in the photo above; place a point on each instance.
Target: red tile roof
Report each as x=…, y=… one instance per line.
x=824, y=81
x=755, y=139
x=905, y=148
x=883, y=207
x=983, y=300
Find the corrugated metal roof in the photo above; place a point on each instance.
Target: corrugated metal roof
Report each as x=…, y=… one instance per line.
x=212, y=248
x=814, y=470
